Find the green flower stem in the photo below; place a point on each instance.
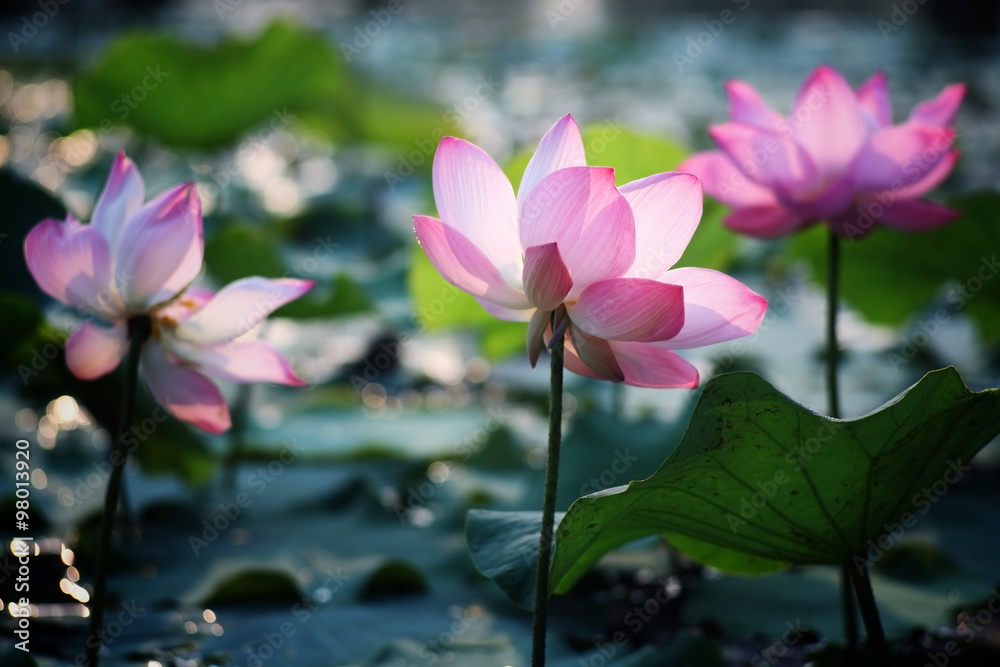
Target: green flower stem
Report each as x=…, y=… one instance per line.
x=237, y=438
x=832, y=305
x=869, y=612
x=833, y=396
x=540, y=620
x=848, y=574
x=139, y=328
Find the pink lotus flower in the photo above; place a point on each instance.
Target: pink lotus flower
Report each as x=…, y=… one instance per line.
x=836, y=157
x=137, y=260
x=598, y=257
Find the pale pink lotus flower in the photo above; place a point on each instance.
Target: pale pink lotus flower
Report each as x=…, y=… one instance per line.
x=836, y=157
x=599, y=257
x=137, y=260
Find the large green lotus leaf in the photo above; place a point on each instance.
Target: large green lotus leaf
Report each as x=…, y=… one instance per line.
x=504, y=546
x=760, y=475
x=194, y=96
x=956, y=263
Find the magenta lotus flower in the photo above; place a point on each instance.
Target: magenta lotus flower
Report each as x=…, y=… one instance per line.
x=836, y=157
x=598, y=257
x=137, y=260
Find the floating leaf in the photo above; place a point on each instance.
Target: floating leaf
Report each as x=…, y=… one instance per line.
x=391, y=579
x=255, y=586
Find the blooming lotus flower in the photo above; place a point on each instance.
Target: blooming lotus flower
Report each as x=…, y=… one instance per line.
x=836, y=157
x=137, y=260
x=572, y=247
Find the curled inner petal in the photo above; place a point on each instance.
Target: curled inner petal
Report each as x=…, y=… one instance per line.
x=596, y=353
x=546, y=278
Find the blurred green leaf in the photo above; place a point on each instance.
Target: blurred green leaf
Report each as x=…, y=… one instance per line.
x=194, y=96
x=713, y=246
x=22, y=319
x=633, y=155
x=343, y=297
x=239, y=250
x=172, y=448
x=190, y=95
x=383, y=117
x=25, y=205
x=889, y=275
x=440, y=306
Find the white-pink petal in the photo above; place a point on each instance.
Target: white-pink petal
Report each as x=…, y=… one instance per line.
x=916, y=215
x=72, y=263
x=160, y=250
x=238, y=308
x=923, y=181
x=747, y=106
x=474, y=197
x=827, y=121
x=630, y=309
x=183, y=392
x=93, y=351
x=507, y=314
x=771, y=159
x=653, y=365
x=463, y=264
x=561, y=147
x=939, y=111
x=667, y=209
x=873, y=98
x=899, y=155
x=245, y=362
x=764, y=222
x=834, y=197
x=581, y=210
x=723, y=181
x=122, y=198
x=717, y=308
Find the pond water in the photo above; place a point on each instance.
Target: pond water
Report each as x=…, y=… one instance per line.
x=336, y=538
